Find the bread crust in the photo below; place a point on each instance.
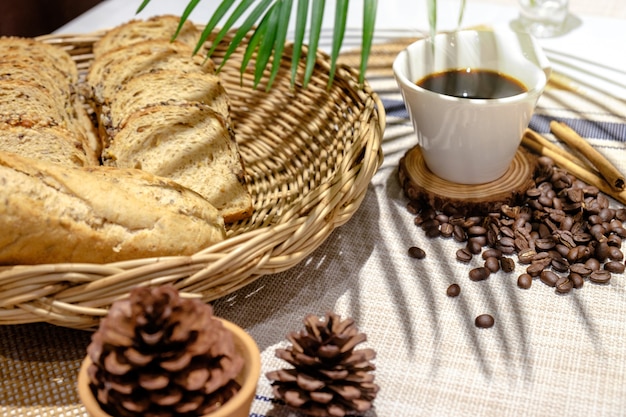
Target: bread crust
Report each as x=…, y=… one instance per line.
x=97, y=214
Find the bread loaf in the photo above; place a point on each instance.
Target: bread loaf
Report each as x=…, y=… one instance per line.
x=155, y=28
x=162, y=109
x=191, y=144
x=51, y=213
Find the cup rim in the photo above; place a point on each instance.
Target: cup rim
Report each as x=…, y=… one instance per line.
x=399, y=75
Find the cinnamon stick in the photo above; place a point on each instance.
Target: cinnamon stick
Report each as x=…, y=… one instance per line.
x=531, y=134
x=565, y=161
x=607, y=170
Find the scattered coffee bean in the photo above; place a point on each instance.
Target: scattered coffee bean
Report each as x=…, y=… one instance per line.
x=453, y=290
x=446, y=230
x=474, y=246
x=507, y=264
x=564, y=232
x=577, y=280
x=581, y=269
x=415, y=252
x=593, y=264
x=601, y=276
x=614, y=267
x=564, y=285
x=491, y=253
x=479, y=274
x=549, y=278
x=463, y=255
x=525, y=256
x=615, y=253
x=484, y=321
x=492, y=264
x=524, y=281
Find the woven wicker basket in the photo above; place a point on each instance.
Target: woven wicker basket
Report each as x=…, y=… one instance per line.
x=310, y=155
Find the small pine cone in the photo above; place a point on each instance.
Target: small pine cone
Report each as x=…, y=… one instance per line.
x=157, y=354
x=329, y=377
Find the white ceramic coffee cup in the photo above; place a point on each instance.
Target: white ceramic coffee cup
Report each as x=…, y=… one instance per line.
x=463, y=140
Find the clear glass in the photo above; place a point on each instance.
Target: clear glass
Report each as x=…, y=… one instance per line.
x=543, y=18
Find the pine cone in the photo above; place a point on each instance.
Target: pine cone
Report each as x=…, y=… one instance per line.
x=157, y=354
x=330, y=378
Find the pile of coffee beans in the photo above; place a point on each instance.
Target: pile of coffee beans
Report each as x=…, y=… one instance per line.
x=565, y=233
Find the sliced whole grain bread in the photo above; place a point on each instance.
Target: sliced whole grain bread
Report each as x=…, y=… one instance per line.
x=190, y=144
x=161, y=27
x=164, y=87
x=53, y=144
x=54, y=57
x=111, y=71
x=29, y=104
x=51, y=213
x=38, y=91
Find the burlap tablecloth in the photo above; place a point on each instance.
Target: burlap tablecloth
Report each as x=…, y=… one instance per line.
x=547, y=354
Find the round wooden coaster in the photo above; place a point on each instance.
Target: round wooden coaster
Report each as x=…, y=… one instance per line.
x=422, y=186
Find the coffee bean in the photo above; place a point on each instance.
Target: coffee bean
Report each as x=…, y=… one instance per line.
x=615, y=253
x=535, y=268
x=526, y=256
x=507, y=231
x=545, y=244
x=464, y=255
x=577, y=280
x=593, y=264
x=453, y=290
x=614, y=240
x=565, y=232
x=614, y=267
x=442, y=218
x=415, y=252
x=580, y=269
x=564, y=285
x=432, y=231
x=484, y=321
x=601, y=276
x=524, y=281
x=506, y=241
x=492, y=264
x=459, y=234
x=560, y=265
x=476, y=230
x=507, y=264
x=474, y=245
x=491, y=253
x=549, y=278
x=479, y=274
x=602, y=251
x=446, y=229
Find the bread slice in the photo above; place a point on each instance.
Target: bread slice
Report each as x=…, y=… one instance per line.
x=111, y=71
x=161, y=27
x=31, y=71
x=27, y=104
x=26, y=48
x=164, y=87
x=50, y=213
x=191, y=144
x=53, y=144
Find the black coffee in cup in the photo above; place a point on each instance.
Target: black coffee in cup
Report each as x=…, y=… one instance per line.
x=472, y=83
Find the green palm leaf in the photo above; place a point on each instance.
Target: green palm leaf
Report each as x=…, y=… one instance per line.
x=269, y=21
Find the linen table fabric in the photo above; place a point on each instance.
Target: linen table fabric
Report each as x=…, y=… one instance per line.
x=547, y=354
